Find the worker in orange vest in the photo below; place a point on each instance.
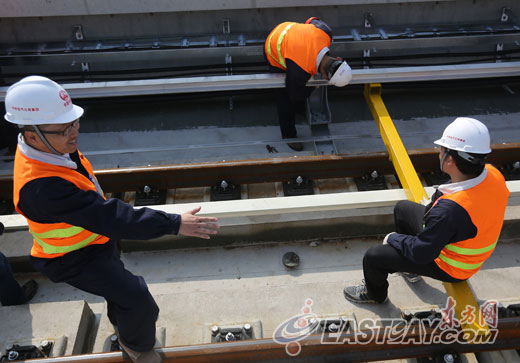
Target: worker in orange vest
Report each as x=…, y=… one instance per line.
x=301, y=51
x=75, y=229
x=462, y=222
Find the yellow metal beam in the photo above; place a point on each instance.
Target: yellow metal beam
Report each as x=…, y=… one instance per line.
x=398, y=155
x=460, y=292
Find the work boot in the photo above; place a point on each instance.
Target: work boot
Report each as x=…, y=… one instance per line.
x=150, y=356
x=30, y=288
x=359, y=294
x=296, y=146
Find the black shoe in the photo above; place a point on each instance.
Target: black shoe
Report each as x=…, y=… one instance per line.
x=358, y=294
x=296, y=146
x=30, y=288
x=411, y=277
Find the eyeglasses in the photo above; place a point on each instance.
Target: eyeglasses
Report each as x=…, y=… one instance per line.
x=65, y=132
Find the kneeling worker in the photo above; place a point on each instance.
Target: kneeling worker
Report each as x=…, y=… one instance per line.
x=75, y=229
x=462, y=223
x=301, y=50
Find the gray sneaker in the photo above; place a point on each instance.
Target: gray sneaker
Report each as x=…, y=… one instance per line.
x=358, y=294
x=411, y=277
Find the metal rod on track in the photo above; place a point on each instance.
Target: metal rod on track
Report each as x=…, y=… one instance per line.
x=262, y=81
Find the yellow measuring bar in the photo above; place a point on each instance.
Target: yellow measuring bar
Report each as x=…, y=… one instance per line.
x=415, y=192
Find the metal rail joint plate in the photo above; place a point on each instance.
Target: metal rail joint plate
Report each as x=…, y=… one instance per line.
x=415, y=192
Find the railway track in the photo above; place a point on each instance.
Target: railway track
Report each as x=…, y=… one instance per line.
x=209, y=174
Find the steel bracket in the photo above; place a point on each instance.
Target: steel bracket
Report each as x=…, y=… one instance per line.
x=84, y=67
x=78, y=32
x=15, y=352
x=336, y=325
x=371, y=181
x=429, y=318
x=232, y=333
x=150, y=195
x=226, y=27
x=511, y=171
x=298, y=186
x=319, y=117
x=369, y=18
x=512, y=311
x=506, y=15
x=225, y=191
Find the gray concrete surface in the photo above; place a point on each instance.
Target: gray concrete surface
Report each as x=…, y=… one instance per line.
x=66, y=323
x=196, y=288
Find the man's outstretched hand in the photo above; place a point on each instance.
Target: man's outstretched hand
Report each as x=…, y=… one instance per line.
x=194, y=226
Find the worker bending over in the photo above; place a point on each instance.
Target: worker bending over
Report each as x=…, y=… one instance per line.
x=75, y=229
x=461, y=224
x=301, y=50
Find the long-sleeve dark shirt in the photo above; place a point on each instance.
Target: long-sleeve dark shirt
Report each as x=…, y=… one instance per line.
x=446, y=222
x=56, y=200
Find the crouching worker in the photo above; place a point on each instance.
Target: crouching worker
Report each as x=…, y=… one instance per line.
x=75, y=229
x=461, y=224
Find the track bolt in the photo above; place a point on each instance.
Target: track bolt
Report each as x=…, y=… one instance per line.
x=374, y=174
x=299, y=180
x=147, y=189
x=13, y=355
x=333, y=327
x=448, y=358
x=224, y=184
x=230, y=337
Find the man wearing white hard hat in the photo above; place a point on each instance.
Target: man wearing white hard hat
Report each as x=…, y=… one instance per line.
x=451, y=237
x=301, y=51
x=74, y=228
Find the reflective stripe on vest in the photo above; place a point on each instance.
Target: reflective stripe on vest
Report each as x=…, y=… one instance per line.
x=62, y=233
x=280, y=59
x=470, y=251
x=458, y=264
x=466, y=252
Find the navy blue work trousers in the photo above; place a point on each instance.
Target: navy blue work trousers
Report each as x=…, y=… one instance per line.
x=381, y=260
x=11, y=293
x=97, y=269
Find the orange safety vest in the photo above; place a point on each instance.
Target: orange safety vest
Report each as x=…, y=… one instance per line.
x=486, y=205
x=54, y=239
x=300, y=43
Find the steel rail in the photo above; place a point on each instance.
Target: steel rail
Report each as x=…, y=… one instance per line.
x=261, y=81
x=266, y=170
x=360, y=346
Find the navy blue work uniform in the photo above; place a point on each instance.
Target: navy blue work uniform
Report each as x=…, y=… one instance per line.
x=98, y=269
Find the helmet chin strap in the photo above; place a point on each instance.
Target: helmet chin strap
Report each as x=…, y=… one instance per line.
x=40, y=134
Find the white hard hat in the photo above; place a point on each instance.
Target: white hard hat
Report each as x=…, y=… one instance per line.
x=342, y=76
x=37, y=100
x=467, y=135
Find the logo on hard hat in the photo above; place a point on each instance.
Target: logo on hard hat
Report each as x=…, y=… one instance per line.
x=65, y=97
x=455, y=138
